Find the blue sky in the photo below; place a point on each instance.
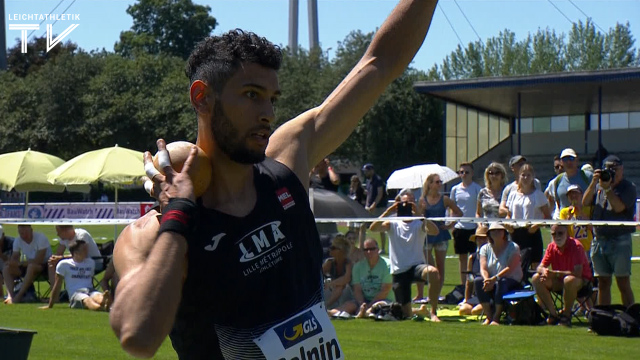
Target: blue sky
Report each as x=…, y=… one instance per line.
x=101, y=21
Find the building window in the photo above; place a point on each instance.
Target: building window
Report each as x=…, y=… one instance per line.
x=527, y=125
x=541, y=124
x=619, y=121
x=576, y=123
x=634, y=120
x=559, y=123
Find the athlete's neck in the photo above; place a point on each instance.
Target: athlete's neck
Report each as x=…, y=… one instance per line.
x=232, y=189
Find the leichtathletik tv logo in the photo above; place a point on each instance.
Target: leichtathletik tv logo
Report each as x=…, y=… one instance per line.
x=28, y=23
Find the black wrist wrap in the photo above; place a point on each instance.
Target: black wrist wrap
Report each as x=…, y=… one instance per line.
x=180, y=216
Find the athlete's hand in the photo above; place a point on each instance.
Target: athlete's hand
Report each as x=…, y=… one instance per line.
x=172, y=184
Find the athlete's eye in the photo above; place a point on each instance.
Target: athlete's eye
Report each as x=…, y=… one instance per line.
x=251, y=94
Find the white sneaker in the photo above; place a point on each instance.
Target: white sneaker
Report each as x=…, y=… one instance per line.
x=344, y=315
x=386, y=317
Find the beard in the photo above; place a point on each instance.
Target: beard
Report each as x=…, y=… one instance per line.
x=230, y=141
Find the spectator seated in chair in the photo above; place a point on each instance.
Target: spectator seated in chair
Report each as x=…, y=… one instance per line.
x=571, y=272
x=501, y=271
x=6, y=248
x=68, y=233
x=77, y=272
x=468, y=306
x=337, y=271
x=36, y=249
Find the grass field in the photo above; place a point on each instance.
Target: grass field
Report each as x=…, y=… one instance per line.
x=64, y=333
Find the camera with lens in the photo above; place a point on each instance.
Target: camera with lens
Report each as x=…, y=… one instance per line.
x=607, y=174
x=404, y=209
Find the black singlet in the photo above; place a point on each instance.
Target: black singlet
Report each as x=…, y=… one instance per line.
x=247, y=274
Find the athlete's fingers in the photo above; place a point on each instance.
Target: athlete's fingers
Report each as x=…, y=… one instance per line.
x=190, y=159
x=164, y=161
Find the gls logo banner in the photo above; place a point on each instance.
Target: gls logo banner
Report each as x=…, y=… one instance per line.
x=298, y=329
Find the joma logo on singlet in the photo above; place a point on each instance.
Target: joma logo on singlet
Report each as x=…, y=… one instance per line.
x=260, y=241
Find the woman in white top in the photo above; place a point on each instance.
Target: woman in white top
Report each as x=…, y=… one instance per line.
x=528, y=203
x=501, y=270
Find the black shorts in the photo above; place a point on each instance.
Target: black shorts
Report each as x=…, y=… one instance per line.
x=524, y=239
x=461, y=243
x=402, y=282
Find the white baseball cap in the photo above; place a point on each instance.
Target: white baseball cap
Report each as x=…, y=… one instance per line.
x=568, y=152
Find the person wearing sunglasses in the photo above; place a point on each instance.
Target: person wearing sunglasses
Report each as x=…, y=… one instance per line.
x=613, y=198
x=495, y=177
x=557, y=191
x=371, y=280
x=571, y=272
x=435, y=204
x=337, y=271
x=465, y=196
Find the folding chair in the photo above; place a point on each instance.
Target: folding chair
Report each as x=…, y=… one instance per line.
x=584, y=294
x=526, y=291
x=106, y=252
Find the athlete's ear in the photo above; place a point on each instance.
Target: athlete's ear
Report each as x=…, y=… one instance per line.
x=199, y=95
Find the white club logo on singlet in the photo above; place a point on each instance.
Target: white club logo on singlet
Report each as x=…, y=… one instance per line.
x=262, y=248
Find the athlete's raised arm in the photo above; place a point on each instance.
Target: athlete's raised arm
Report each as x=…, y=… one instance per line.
x=305, y=140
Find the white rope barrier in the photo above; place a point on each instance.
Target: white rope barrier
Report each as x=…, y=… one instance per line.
x=513, y=222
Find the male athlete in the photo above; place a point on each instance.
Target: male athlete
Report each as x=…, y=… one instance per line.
x=236, y=273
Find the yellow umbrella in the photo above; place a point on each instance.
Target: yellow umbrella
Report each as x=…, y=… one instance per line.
x=26, y=171
x=115, y=165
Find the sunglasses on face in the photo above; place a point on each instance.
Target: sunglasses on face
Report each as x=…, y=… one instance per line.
x=464, y=172
x=370, y=249
x=494, y=173
x=557, y=167
x=557, y=233
x=568, y=158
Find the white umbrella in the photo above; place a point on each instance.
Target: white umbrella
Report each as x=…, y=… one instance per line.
x=413, y=177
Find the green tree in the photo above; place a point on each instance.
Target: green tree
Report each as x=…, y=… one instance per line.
x=618, y=43
x=547, y=52
x=585, y=48
x=36, y=56
x=132, y=102
x=170, y=27
x=43, y=110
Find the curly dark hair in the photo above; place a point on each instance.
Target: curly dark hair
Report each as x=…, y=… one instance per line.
x=216, y=58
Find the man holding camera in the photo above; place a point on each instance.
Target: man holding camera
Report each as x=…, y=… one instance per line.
x=408, y=265
x=615, y=199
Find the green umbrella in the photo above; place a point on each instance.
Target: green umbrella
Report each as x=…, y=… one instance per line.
x=26, y=171
x=115, y=165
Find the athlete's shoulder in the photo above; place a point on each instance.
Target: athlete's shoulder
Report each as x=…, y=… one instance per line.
x=136, y=241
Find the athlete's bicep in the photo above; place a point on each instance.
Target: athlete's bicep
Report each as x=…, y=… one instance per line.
x=134, y=244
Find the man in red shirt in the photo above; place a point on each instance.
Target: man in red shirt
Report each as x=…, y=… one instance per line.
x=571, y=272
